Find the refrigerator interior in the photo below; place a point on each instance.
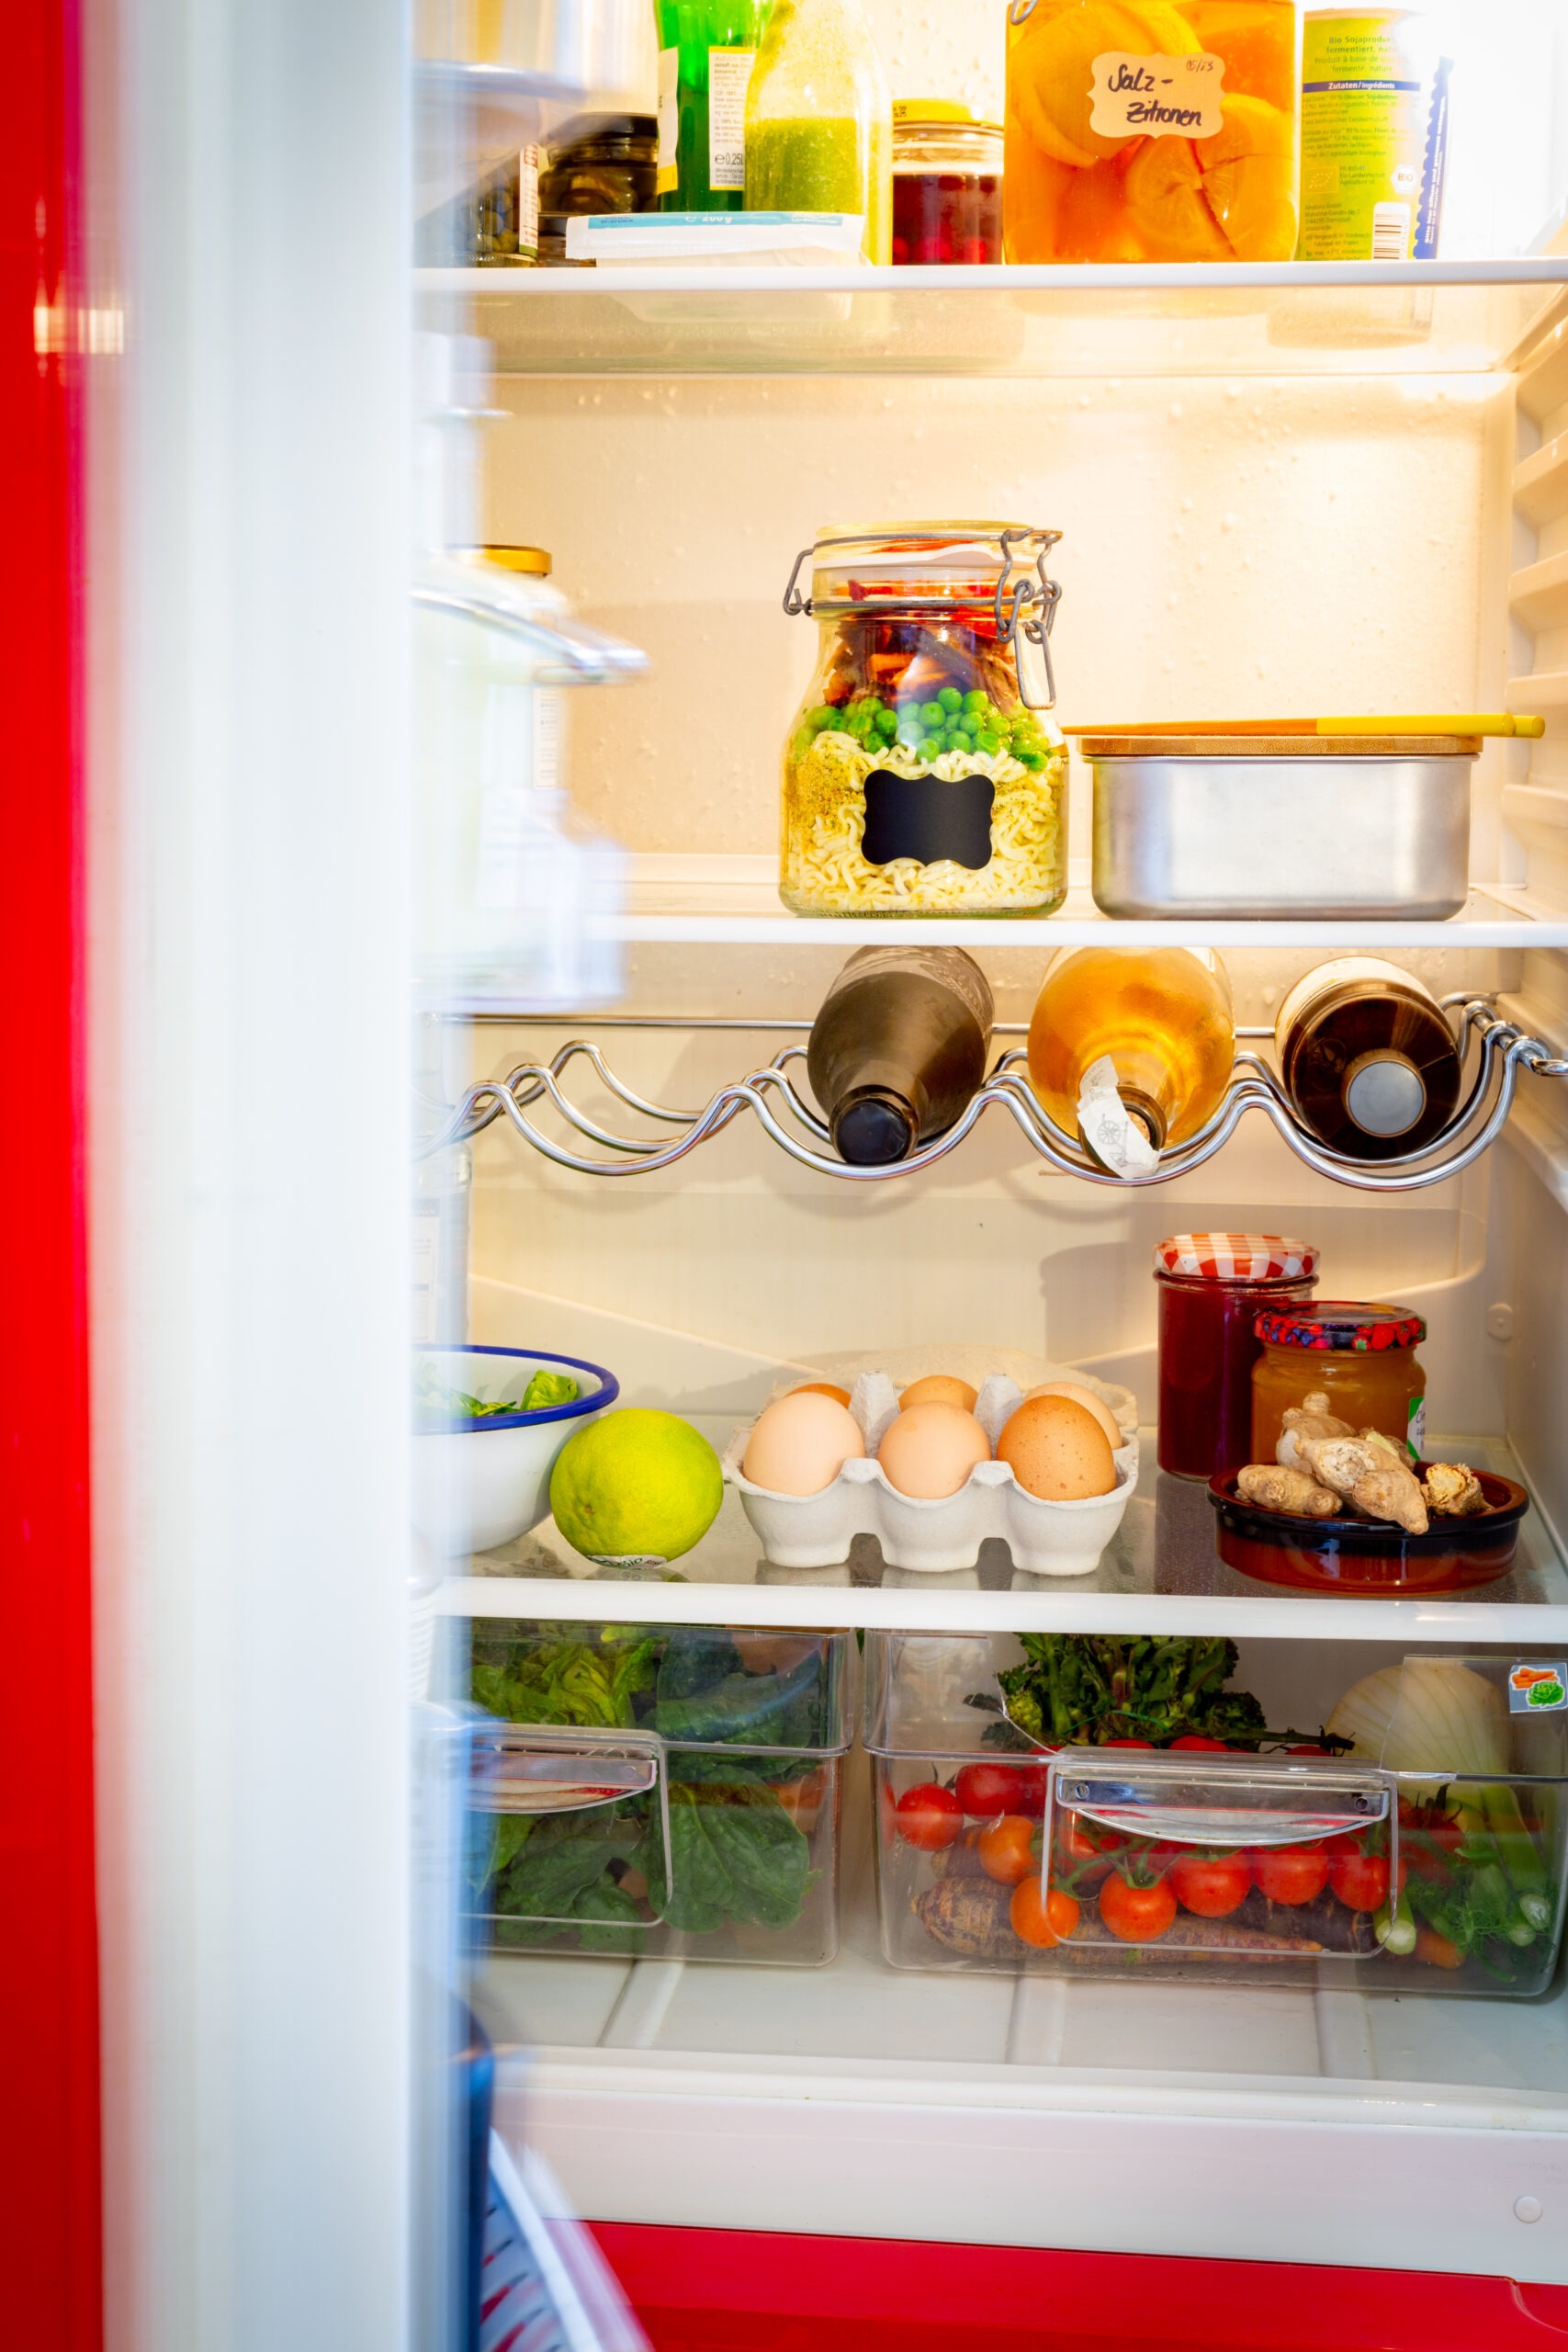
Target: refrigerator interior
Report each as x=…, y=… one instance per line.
x=1342, y=499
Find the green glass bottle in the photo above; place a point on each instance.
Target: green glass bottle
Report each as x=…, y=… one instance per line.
x=705, y=49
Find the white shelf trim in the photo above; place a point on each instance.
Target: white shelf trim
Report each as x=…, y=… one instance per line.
x=544, y=285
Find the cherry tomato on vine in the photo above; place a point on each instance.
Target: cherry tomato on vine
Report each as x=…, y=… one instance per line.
x=1211, y=1884
x=1194, y=1739
x=928, y=1816
x=986, y=1789
x=1137, y=1915
x=1042, y=1924
x=1290, y=1874
x=1005, y=1850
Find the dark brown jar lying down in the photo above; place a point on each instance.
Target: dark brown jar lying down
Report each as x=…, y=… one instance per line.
x=969, y=1915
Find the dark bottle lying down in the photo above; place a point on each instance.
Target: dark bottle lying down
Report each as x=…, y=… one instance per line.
x=898, y=1050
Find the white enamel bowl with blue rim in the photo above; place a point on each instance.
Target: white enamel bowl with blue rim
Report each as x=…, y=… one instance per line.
x=478, y=1484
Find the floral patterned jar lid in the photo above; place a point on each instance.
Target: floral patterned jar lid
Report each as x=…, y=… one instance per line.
x=1342, y=1325
x=1237, y=1258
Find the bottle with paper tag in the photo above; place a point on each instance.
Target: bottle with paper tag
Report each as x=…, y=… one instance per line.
x=707, y=48
x=1131, y=1050
x=1144, y=130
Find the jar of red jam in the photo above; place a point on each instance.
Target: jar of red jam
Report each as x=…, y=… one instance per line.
x=947, y=184
x=1213, y=1287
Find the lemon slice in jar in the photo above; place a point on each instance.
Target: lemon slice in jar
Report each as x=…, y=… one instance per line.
x=1225, y=199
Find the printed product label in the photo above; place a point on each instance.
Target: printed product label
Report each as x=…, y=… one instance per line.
x=923, y=817
x=729, y=78
x=669, y=119
x=550, y=712
x=1537, y=1690
x=1118, y=1141
x=954, y=970
x=426, y=1253
x=528, y=201
x=503, y=828
x=1416, y=1429
x=1374, y=138
x=1157, y=97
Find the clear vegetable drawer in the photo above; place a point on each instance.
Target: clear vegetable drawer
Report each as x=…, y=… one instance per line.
x=1418, y=1843
x=648, y=1791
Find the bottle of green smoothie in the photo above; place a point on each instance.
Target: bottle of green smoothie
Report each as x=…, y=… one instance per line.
x=819, y=119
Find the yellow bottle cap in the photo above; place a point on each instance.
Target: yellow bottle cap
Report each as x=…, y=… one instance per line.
x=536, y=561
x=930, y=110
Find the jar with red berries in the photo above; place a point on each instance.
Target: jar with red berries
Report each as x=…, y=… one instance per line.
x=947, y=184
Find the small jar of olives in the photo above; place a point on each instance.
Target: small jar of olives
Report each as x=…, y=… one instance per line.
x=922, y=774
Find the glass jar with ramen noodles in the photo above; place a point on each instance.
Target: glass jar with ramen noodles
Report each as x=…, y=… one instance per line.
x=921, y=773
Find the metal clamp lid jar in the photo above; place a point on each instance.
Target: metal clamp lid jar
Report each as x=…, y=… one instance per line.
x=920, y=775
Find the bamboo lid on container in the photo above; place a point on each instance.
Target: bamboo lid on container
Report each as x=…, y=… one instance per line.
x=1279, y=747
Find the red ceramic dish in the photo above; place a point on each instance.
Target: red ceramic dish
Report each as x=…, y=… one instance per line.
x=1369, y=1556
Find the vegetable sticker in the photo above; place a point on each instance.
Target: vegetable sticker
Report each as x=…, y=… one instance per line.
x=1537, y=1690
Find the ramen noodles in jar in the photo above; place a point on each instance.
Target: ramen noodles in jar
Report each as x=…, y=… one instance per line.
x=1151, y=130
x=921, y=774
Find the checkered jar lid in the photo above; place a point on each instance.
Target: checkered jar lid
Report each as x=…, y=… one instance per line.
x=1343, y=1326
x=1237, y=1258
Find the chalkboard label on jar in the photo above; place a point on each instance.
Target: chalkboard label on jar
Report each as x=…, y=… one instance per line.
x=923, y=817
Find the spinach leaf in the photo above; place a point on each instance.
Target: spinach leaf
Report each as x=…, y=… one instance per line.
x=737, y=1860
x=610, y=1921
x=566, y=1855
x=756, y=1710
x=492, y=1841
x=693, y=1663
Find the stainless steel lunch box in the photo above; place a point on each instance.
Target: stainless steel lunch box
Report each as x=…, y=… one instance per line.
x=1313, y=827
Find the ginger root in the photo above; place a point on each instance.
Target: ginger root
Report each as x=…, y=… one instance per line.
x=1371, y=1477
x=1452, y=1490
x=1276, y=1487
x=1312, y=1419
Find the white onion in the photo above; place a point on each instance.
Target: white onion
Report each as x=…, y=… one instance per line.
x=1429, y=1715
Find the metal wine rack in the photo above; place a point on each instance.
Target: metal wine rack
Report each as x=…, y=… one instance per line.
x=1495, y=1052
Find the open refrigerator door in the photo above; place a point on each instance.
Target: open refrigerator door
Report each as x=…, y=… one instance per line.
x=832, y=1362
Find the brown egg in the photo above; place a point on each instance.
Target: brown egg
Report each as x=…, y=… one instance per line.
x=939, y=1388
x=821, y=1388
x=1057, y=1451
x=930, y=1449
x=801, y=1442
x=1088, y=1399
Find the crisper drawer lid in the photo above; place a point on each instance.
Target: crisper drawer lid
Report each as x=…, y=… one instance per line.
x=1197, y=1799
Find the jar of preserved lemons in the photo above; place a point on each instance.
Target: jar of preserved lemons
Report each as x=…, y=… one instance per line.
x=1151, y=130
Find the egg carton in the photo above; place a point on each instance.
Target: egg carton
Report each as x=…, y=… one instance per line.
x=1052, y=1539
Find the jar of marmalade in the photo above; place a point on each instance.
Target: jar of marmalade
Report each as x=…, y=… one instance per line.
x=1362, y=1358
x=1211, y=1286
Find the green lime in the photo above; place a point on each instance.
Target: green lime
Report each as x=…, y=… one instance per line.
x=636, y=1484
